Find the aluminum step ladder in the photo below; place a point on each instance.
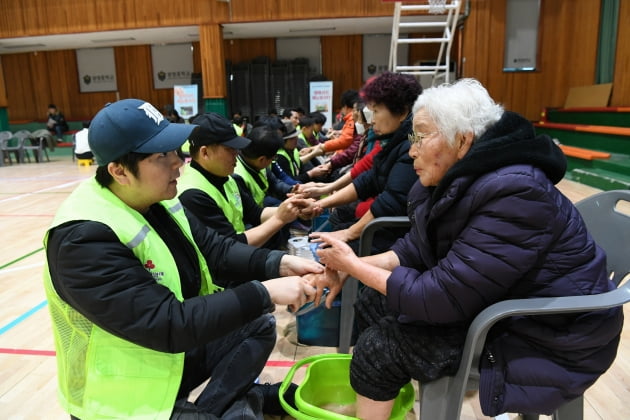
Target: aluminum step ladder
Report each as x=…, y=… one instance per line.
x=444, y=17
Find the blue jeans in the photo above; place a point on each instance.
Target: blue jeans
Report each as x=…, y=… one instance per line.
x=232, y=362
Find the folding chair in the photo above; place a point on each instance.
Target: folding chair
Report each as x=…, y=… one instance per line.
x=9, y=144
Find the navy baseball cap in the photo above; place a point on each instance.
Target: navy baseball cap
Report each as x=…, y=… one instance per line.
x=216, y=129
x=133, y=125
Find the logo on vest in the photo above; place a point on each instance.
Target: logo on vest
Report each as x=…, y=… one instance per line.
x=157, y=275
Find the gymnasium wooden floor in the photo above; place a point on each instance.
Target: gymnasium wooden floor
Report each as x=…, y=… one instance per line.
x=29, y=195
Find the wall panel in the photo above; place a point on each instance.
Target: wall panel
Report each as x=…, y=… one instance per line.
x=239, y=50
x=342, y=60
x=621, y=81
x=256, y=10
x=41, y=17
x=567, y=51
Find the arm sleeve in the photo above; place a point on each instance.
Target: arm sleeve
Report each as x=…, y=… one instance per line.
x=115, y=292
x=277, y=187
x=346, y=156
x=500, y=242
x=282, y=171
x=365, y=163
x=344, y=140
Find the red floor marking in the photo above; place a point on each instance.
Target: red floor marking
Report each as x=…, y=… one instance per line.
x=270, y=363
x=28, y=352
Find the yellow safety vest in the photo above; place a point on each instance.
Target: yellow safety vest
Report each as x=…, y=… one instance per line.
x=294, y=160
x=258, y=193
x=102, y=376
x=232, y=206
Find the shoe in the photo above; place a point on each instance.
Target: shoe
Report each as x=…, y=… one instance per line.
x=271, y=398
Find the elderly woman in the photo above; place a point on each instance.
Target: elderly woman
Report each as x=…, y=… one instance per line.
x=488, y=224
x=390, y=96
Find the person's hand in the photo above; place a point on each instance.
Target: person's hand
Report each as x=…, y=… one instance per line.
x=334, y=253
x=289, y=209
x=306, y=150
x=314, y=189
x=310, y=210
x=319, y=171
x=342, y=235
x=331, y=279
x=291, y=291
x=291, y=265
x=301, y=187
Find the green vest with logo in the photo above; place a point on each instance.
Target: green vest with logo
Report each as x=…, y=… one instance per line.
x=294, y=160
x=257, y=192
x=232, y=206
x=102, y=375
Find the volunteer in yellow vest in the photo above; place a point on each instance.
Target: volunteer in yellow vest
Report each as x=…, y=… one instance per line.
x=208, y=190
x=290, y=161
x=253, y=164
x=137, y=319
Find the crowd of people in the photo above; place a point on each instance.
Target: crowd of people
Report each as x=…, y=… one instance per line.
x=192, y=256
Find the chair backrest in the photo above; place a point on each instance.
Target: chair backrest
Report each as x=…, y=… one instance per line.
x=607, y=218
x=6, y=135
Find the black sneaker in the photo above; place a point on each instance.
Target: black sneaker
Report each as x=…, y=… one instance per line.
x=271, y=398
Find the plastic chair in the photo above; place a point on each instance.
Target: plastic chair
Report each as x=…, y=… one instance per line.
x=9, y=144
x=442, y=399
x=351, y=286
x=24, y=137
x=37, y=142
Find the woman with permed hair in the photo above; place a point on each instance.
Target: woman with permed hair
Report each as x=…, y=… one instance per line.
x=391, y=97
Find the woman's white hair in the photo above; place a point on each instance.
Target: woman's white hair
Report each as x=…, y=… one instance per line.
x=461, y=107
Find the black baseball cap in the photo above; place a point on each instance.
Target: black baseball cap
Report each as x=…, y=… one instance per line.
x=216, y=129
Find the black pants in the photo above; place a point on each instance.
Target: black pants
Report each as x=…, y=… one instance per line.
x=388, y=354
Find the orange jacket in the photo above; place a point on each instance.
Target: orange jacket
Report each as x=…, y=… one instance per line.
x=345, y=139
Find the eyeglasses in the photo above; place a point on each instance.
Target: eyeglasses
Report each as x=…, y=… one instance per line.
x=417, y=138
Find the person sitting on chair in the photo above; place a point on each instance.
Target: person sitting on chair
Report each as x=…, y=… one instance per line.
x=56, y=123
x=487, y=224
x=81, y=145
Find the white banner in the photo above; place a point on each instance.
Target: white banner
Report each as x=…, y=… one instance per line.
x=97, y=70
x=185, y=100
x=321, y=99
x=172, y=65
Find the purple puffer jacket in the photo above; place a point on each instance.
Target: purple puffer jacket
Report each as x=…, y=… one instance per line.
x=508, y=233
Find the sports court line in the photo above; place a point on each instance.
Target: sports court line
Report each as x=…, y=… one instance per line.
x=21, y=258
x=22, y=317
x=20, y=268
x=26, y=352
x=26, y=215
x=20, y=196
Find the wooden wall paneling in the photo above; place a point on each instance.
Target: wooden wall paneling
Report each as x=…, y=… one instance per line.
x=134, y=73
x=39, y=17
x=4, y=101
x=422, y=52
x=256, y=10
x=621, y=82
x=342, y=62
x=239, y=50
x=196, y=46
x=212, y=61
x=566, y=54
x=19, y=92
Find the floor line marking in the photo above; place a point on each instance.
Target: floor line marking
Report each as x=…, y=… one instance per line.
x=20, y=268
x=21, y=258
x=22, y=317
x=17, y=197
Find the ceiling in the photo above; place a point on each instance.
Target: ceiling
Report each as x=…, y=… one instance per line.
x=185, y=34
